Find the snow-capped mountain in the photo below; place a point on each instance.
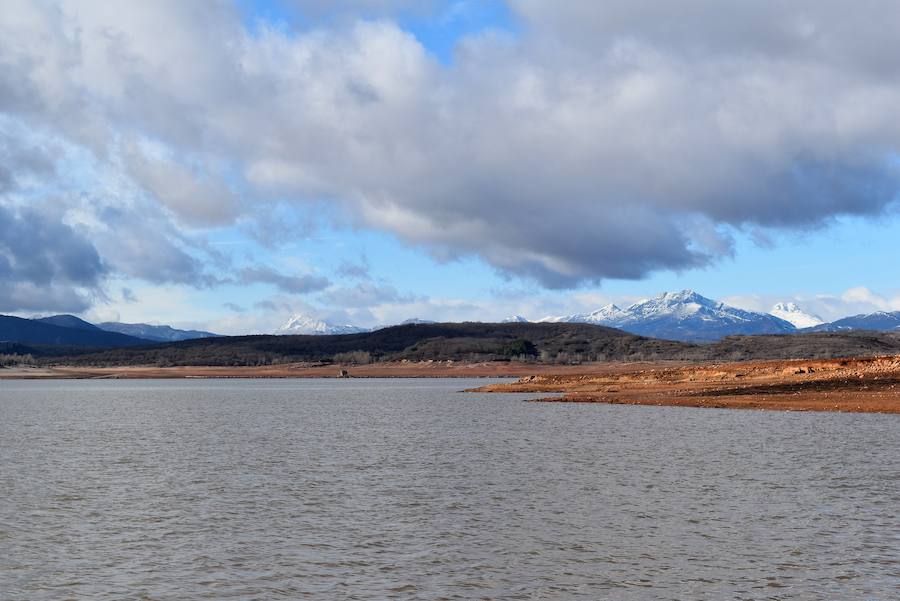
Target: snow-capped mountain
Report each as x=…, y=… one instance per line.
x=415, y=320
x=882, y=321
x=303, y=324
x=686, y=315
x=155, y=333
x=515, y=319
x=603, y=316
x=683, y=315
x=790, y=312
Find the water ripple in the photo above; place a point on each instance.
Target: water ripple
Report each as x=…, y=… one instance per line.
x=410, y=490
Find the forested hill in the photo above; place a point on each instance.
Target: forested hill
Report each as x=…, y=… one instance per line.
x=548, y=342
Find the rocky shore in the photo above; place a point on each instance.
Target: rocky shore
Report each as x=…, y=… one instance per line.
x=869, y=385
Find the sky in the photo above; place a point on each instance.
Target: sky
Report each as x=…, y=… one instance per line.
x=227, y=164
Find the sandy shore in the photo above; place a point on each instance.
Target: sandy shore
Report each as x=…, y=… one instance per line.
x=849, y=385
x=300, y=370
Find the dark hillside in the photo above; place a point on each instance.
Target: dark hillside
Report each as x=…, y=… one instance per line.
x=37, y=332
x=455, y=341
x=545, y=342
x=824, y=345
x=68, y=321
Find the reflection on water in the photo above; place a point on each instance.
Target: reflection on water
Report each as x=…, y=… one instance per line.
x=405, y=489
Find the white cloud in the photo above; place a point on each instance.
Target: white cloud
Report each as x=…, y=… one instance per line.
x=830, y=307
x=603, y=140
x=195, y=198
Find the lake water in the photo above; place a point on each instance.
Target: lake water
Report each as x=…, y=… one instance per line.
x=407, y=489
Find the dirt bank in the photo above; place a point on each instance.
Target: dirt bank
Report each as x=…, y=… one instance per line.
x=869, y=385
x=423, y=369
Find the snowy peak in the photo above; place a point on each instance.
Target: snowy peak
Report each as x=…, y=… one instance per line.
x=684, y=303
x=310, y=326
x=793, y=314
x=689, y=316
x=515, y=319
x=605, y=314
x=683, y=315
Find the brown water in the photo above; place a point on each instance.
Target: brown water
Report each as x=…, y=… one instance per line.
x=406, y=489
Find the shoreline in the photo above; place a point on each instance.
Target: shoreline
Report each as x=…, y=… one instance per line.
x=857, y=385
x=302, y=370
x=869, y=385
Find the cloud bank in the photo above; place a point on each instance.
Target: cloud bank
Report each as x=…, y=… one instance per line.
x=45, y=264
x=600, y=140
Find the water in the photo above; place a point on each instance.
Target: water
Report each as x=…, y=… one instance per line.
x=406, y=489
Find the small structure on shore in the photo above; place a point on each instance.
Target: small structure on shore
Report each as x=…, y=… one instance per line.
x=343, y=373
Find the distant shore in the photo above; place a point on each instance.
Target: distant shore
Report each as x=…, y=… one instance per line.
x=424, y=369
x=869, y=385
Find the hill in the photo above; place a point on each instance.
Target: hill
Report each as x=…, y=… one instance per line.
x=881, y=320
x=414, y=342
x=545, y=342
x=41, y=332
x=68, y=321
x=154, y=333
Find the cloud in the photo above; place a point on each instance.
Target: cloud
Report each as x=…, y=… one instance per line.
x=366, y=8
x=196, y=199
x=267, y=305
x=302, y=284
x=21, y=159
x=139, y=244
x=830, y=307
x=602, y=140
x=364, y=295
x=45, y=264
x=355, y=270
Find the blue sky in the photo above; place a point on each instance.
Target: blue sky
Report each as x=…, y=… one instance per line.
x=368, y=162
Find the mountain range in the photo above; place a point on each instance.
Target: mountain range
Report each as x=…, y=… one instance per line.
x=304, y=325
x=690, y=317
x=50, y=332
x=561, y=343
x=69, y=330
x=154, y=333
x=881, y=321
x=685, y=316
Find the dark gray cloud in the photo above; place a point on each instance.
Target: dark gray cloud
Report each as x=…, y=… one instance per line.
x=301, y=284
x=45, y=264
x=140, y=244
x=603, y=140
